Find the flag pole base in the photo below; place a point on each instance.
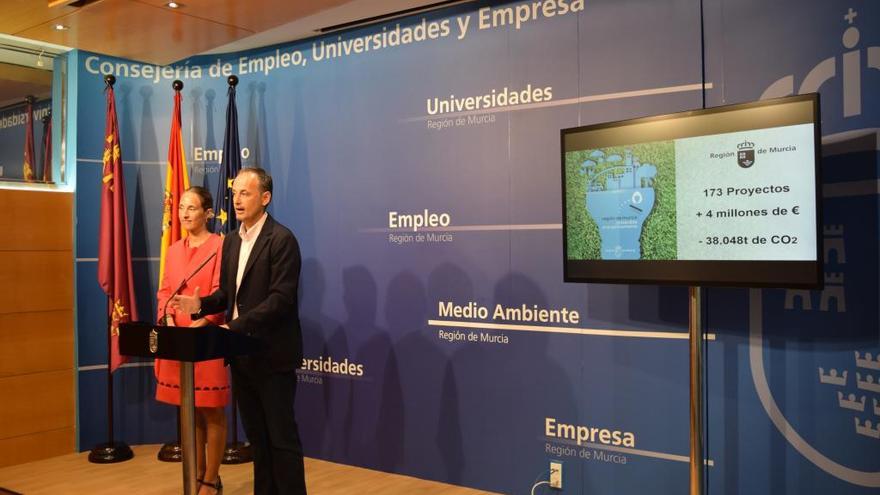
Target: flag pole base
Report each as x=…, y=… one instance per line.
x=237, y=453
x=171, y=452
x=109, y=453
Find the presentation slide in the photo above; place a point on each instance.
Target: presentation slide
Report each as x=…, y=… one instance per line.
x=736, y=196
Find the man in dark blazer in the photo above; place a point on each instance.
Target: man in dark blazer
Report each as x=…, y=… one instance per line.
x=258, y=292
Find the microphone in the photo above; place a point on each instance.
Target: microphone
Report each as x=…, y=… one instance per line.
x=164, y=321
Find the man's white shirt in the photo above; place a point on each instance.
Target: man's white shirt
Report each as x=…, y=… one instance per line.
x=248, y=238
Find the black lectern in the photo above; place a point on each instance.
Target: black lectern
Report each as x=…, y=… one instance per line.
x=187, y=345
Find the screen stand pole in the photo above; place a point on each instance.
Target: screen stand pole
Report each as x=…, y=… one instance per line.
x=695, y=330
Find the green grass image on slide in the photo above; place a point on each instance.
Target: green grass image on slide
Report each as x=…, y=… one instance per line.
x=658, y=237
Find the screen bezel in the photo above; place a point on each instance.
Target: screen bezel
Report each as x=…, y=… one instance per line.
x=718, y=273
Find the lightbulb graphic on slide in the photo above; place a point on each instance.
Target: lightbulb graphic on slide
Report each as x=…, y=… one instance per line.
x=619, y=197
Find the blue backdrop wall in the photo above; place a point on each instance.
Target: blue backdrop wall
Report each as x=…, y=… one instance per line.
x=357, y=139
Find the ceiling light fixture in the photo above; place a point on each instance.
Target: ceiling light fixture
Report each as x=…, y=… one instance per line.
x=61, y=27
x=173, y=5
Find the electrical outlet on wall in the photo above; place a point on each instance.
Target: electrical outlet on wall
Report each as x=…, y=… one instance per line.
x=556, y=475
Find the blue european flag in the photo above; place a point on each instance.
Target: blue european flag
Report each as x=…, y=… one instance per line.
x=224, y=217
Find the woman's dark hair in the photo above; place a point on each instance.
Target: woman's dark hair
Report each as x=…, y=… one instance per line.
x=204, y=195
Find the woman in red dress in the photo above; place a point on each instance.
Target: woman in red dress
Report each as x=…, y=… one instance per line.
x=211, y=380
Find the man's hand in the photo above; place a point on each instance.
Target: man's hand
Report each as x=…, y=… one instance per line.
x=187, y=304
x=201, y=322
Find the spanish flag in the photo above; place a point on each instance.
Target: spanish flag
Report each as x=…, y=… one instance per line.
x=114, y=252
x=176, y=182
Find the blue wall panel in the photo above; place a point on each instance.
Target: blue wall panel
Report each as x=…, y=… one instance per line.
x=351, y=139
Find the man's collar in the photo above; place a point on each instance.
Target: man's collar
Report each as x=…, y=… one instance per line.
x=248, y=234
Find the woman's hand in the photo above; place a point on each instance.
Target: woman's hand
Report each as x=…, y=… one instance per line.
x=201, y=322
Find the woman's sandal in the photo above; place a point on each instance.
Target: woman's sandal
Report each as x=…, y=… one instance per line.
x=217, y=485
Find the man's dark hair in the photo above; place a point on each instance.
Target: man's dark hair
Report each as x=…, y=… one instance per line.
x=263, y=178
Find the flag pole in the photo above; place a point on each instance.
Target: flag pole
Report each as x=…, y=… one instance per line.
x=172, y=451
x=112, y=451
x=236, y=452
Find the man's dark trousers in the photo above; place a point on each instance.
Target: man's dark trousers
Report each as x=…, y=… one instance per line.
x=265, y=400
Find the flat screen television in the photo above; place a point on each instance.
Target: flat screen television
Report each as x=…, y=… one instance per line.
x=726, y=196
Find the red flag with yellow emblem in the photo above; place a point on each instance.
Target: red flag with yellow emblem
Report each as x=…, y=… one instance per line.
x=28, y=163
x=176, y=183
x=47, y=148
x=114, y=253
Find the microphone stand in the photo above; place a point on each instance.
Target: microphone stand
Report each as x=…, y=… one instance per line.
x=180, y=287
x=171, y=451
